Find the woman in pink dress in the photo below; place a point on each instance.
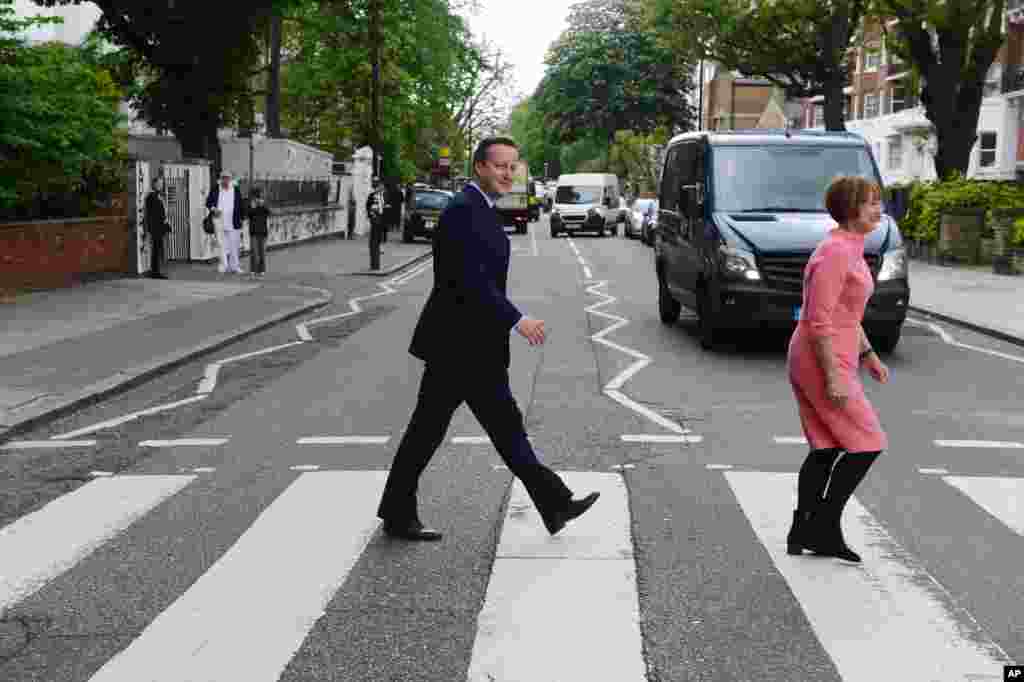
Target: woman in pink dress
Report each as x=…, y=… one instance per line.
x=825, y=354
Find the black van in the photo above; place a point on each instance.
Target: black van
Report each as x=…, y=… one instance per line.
x=740, y=213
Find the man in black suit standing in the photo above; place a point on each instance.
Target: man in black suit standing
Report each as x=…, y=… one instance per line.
x=463, y=337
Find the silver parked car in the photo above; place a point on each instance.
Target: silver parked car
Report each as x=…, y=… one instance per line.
x=640, y=210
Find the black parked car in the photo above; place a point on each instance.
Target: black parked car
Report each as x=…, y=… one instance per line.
x=423, y=212
x=740, y=214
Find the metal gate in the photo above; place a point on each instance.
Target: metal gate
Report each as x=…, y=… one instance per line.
x=176, y=194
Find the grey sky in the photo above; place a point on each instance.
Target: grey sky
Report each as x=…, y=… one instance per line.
x=524, y=29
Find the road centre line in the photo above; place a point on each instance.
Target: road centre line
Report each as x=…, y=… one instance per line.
x=660, y=438
x=978, y=444
x=470, y=440
x=184, y=442
x=948, y=338
x=790, y=440
x=43, y=444
x=343, y=440
x=533, y=238
x=611, y=389
x=932, y=471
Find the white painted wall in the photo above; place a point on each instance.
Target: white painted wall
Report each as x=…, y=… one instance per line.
x=275, y=158
x=78, y=21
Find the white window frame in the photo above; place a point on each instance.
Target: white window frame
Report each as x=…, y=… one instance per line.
x=818, y=115
x=877, y=109
x=992, y=151
x=894, y=144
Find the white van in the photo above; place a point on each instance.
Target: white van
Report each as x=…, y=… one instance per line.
x=586, y=202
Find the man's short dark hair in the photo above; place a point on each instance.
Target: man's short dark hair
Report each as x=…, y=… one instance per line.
x=481, y=150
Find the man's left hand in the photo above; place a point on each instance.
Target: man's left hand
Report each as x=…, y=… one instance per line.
x=532, y=330
x=877, y=368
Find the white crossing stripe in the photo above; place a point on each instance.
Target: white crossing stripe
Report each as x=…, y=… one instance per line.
x=217, y=630
x=933, y=470
x=790, y=440
x=46, y=444
x=344, y=440
x=464, y=440
x=40, y=546
x=660, y=438
x=183, y=442
x=1000, y=497
x=978, y=444
x=886, y=619
x=587, y=570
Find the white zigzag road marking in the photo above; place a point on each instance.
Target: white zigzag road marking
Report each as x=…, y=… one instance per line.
x=209, y=381
x=948, y=338
x=611, y=389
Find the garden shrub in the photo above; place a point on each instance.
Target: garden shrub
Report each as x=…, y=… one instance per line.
x=930, y=199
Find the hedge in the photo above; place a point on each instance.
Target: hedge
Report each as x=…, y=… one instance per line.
x=930, y=199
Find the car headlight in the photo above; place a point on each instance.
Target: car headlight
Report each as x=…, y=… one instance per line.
x=894, y=265
x=738, y=263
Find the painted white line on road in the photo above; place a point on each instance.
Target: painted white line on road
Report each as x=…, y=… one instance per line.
x=305, y=467
x=533, y=239
x=789, y=440
x=611, y=389
x=343, y=440
x=862, y=614
x=204, y=470
x=209, y=381
x=587, y=569
x=219, y=630
x=129, y=417
x=587, y=273
x=999, y=496
x=660, y=438
x=101, y=474
x=979, y=444
x=932, y=471
x=470, y=440
x=948, y=338
x=183, y=442
x=43, y=444
x=622, y=467
x=718, y=467
x=40, y=546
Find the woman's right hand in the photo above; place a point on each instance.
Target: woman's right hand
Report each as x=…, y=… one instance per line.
x=836, y=392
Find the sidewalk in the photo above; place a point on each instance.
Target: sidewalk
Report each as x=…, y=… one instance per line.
x=65, y=348
x=975, y=298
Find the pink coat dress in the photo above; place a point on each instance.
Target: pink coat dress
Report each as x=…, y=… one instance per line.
x=837, y=286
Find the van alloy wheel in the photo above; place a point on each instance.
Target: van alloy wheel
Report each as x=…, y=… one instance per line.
x=668, y=307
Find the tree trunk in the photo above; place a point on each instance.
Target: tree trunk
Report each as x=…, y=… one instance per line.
x=274, y=79
x=954, y=112
x=834, y=98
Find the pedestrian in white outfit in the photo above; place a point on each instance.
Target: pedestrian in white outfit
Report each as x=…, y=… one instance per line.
x=226, y=203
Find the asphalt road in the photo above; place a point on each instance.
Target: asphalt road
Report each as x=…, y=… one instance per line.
x=253, y=553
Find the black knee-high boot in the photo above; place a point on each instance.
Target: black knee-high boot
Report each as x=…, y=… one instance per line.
x=814, y=473
x=847, y=474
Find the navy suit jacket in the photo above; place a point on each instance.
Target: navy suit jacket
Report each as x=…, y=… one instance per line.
x=239, y=214
x=468, y=318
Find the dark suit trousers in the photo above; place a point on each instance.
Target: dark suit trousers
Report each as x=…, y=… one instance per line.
x=156, y=256
x=489, y=397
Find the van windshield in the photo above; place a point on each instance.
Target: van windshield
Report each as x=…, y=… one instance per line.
x=783, y=178
x=572, y=194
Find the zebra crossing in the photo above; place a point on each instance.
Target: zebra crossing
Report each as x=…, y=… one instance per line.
x=896, y=622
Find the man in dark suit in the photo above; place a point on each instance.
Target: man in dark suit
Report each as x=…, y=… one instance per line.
x=157, y=227
x=463, y=337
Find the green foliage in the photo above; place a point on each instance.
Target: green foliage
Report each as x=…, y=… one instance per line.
x=58, y=126
x=526, y=126
x=929, y=200
x=606, y=73
x=1017, y=236
x=633, y=159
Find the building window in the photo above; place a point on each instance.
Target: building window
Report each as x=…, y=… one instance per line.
x=871, y=105
x=895, y=159
x=819, y=116
x=872, y=58
x=987, y=143
x=898, y=98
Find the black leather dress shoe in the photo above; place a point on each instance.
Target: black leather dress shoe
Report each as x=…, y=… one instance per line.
x=411, y=531
x=564, y=516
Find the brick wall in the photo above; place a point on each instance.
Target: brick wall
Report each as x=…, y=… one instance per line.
x=55, y=253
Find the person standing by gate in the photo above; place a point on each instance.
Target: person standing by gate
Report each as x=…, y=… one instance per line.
x=157, y=227
x=259, y=216
x=225, y=202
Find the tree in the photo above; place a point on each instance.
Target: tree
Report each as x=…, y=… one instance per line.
x=606, y=73
x=799, y=45
x=526, y=126
x=58, y=119
x=189, y=63
x=634, y=158
x=951, y=44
